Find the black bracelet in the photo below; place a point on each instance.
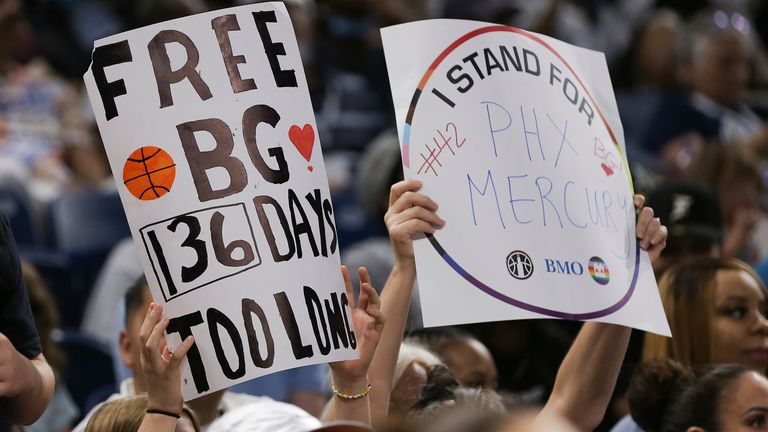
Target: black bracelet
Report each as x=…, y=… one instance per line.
x=165, y=413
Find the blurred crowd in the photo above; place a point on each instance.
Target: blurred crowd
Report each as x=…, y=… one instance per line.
x=691, y=83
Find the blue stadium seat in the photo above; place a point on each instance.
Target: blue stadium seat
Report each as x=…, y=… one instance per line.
x=87, y=222
x=83, y=227
x=16, y=205
x=89, y=366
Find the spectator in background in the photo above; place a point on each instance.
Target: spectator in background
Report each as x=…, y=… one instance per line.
x=164, y=406
x=103, y=320
x=26, y=380
x=127, y=414
x=691, y=212
x=602, y=26
x=62, y=411
x=650, y=62
x=354, y=103
x=736, y=177
x=207, y=408
x=43, y=128
x=411, y=373
x=667, y=397
x=646, y=72
x=715, y=56
x=716, y=310
x=468, y=359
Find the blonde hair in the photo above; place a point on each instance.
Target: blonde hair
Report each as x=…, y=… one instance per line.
x=409, y=353
x=126, y=414
x=688, y=294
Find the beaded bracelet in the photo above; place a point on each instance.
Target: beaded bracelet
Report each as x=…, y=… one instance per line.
x=162, y=412
x=347, y=397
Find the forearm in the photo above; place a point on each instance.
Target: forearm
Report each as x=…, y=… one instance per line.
x=36, y=384
x=588, y=374
x=395, y=303
x=350, y=408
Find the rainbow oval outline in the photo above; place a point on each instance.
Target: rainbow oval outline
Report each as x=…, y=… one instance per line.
x=405, y=152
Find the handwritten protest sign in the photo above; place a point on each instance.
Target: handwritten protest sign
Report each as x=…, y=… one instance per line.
x=210, y=133
x=517, y=137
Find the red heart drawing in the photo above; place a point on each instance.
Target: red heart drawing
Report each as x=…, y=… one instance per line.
x=303, y=139
x=607, y=169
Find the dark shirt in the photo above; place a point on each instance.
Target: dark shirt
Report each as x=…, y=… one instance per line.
x=16, y=320
x=675, y=116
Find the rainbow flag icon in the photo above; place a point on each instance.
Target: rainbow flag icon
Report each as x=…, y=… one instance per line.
x=599, y=271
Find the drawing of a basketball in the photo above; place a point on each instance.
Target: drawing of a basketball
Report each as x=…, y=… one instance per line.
x=149, y=173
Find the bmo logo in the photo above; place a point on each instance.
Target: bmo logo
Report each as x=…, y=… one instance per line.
x=563, y=267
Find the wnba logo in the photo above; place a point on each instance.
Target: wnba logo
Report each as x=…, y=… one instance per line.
x=519, y=265
x=599, y=271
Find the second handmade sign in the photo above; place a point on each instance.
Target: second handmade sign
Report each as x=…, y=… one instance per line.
x=516, y=137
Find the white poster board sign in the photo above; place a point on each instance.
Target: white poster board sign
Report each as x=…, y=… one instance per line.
x=517, y=138
x=210, y=133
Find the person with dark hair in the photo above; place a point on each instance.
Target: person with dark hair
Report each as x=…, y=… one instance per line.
x=737, y=178
x=468, y=359
x=716, y=308
x=691, y=212
x=715, y=55
x=163, y=408
x=665, y=396
x=26, y=379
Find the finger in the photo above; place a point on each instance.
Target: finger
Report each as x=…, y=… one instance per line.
x=150, y=320
x=362, y=273
x=163, y=343
x=413, y=227
x=653, y=226
x=152, y=347
x=413, y=199
x=644, y=218
x=656, y=249
x=401, y=187
x=418, y=213
x=660, y=236
x=365, y=280
x=348, y=285
x=362, y=302
x=639, y=201
x=181, y=351
x=373, y=306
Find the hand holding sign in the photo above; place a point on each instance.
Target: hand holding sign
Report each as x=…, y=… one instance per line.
x=160, y=365
x=649, y=230
x=409, y=214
